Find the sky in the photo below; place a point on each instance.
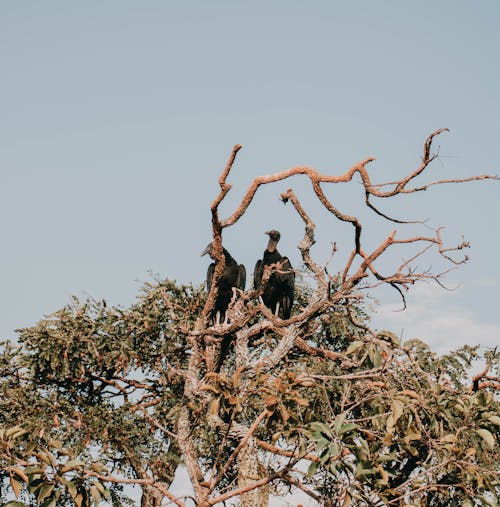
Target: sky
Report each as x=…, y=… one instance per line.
x=117, y=117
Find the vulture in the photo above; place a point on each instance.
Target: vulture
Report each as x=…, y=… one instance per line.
x=234, y=275
x=279, y=291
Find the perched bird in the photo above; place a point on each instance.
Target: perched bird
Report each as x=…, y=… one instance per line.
x=279, y=291
x=234, y=275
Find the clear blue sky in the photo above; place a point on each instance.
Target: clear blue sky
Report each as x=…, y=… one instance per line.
x=117, y=117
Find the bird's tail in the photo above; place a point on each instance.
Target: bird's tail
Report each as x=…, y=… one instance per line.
x=223, y=352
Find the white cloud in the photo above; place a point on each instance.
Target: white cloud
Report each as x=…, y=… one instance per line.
x=439, y=318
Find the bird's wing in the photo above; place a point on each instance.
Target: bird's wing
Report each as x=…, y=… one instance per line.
x=287, y=270
x=288, y=280
x=210, y=275
x=257, y=274
x=242, y=277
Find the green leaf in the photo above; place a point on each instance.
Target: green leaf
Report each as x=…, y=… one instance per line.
x=488, y=438
x=387, y=335
x=15, y=485
x=321, y=428
x=71, y=487
x=321, y=443
x=312, y=469
x=387, y=457
x=36, y=484
x=44, y=492
x=333, y=467
x=71, y=464
x=362, y=472
x=33, y=470
x=346, y=428
x=397, y=407
x=95, y=494
x=495, y=419
x=102, y=490
x=14, y=503
x=49, y=502
x=364, y=445
x=354, y=346
x=334, y=449
x=374, y=355
x=451, y=438
x=325, y=456
x=339, y=421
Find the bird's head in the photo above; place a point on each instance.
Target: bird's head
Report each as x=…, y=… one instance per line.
x=274, y=235
x=208, y=250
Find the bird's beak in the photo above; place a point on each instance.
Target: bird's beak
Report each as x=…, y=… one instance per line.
x=207, y=250
x=268, y=233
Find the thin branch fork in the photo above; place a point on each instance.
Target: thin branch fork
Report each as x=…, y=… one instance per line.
x=398, y=278
x=146, y=482
x=246, y=489
x=428, y=157
x=288, y=454
x=493, y=382
x=425, y=472
x=217, y=233
x=225, y=187
x=400, y=185
x=308, y=240
x=370, y=188
x=254, y=485
x=265, y=413
x=298, y=484
x=315, y=351
x=305, y=170
x=426, y=160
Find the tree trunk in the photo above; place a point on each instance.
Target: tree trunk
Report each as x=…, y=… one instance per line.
x=151, y=497
x=250, y=470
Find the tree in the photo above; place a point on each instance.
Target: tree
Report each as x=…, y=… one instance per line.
x=96, y=397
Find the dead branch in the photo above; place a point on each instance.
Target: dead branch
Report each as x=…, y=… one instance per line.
x=288, y=454
x=319, y=352
x=308, y=240
x=287, y=334
x=491, y=382
x=255, y=485
x=217, y=232
x=298, y=484
x=148, y=482
x=265, y=413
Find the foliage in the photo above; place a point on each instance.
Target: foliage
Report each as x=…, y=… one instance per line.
x=74, y=396
x=91, y=395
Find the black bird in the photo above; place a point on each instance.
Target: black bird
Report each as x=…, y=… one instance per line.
x=234, y=275
x=279, y=291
